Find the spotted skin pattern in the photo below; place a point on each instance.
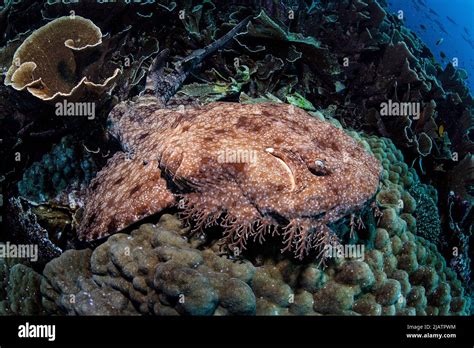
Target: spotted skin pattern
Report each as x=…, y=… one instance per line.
x=254, y=169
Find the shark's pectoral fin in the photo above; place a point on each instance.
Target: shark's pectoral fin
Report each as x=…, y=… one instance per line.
x=123, y=192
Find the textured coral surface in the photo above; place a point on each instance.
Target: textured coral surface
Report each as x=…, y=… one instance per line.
x=155, y=270
x=158, y=270
x=20, y=289
x=235, y=173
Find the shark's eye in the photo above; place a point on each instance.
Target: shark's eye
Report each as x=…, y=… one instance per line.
x=318, y=168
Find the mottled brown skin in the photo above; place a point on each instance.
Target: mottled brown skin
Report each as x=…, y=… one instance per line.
x=296, y=174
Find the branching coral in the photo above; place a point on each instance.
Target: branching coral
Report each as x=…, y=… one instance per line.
x=462, y=178
x=25, y=228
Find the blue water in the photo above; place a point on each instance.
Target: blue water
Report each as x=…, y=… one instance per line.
x=456, y=31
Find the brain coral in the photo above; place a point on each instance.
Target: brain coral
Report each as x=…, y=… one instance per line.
x=249, y=168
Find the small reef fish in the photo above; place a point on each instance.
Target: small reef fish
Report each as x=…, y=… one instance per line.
x=451, y=20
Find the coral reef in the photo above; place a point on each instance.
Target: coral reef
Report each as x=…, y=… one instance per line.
x=161, y=271
x=460, y=227
x=49, y=194
x=72, y=292
x=338, y=60
x=428, y=223
x=156, y=270
x=164, y=269
x=25, y=228
x=462, y=178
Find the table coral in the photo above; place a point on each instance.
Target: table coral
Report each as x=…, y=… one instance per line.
x=53, y=77
x=249, y=168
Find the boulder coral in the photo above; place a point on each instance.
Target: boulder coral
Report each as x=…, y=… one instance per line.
x=153, y=271
x=157, y=271
x=19, y=289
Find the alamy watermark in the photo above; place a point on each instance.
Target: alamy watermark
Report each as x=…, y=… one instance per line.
x=237, y=156
x=28, y=330
x=84, y=109
x=346, y=251
x=394, y=108
x=20, y=251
